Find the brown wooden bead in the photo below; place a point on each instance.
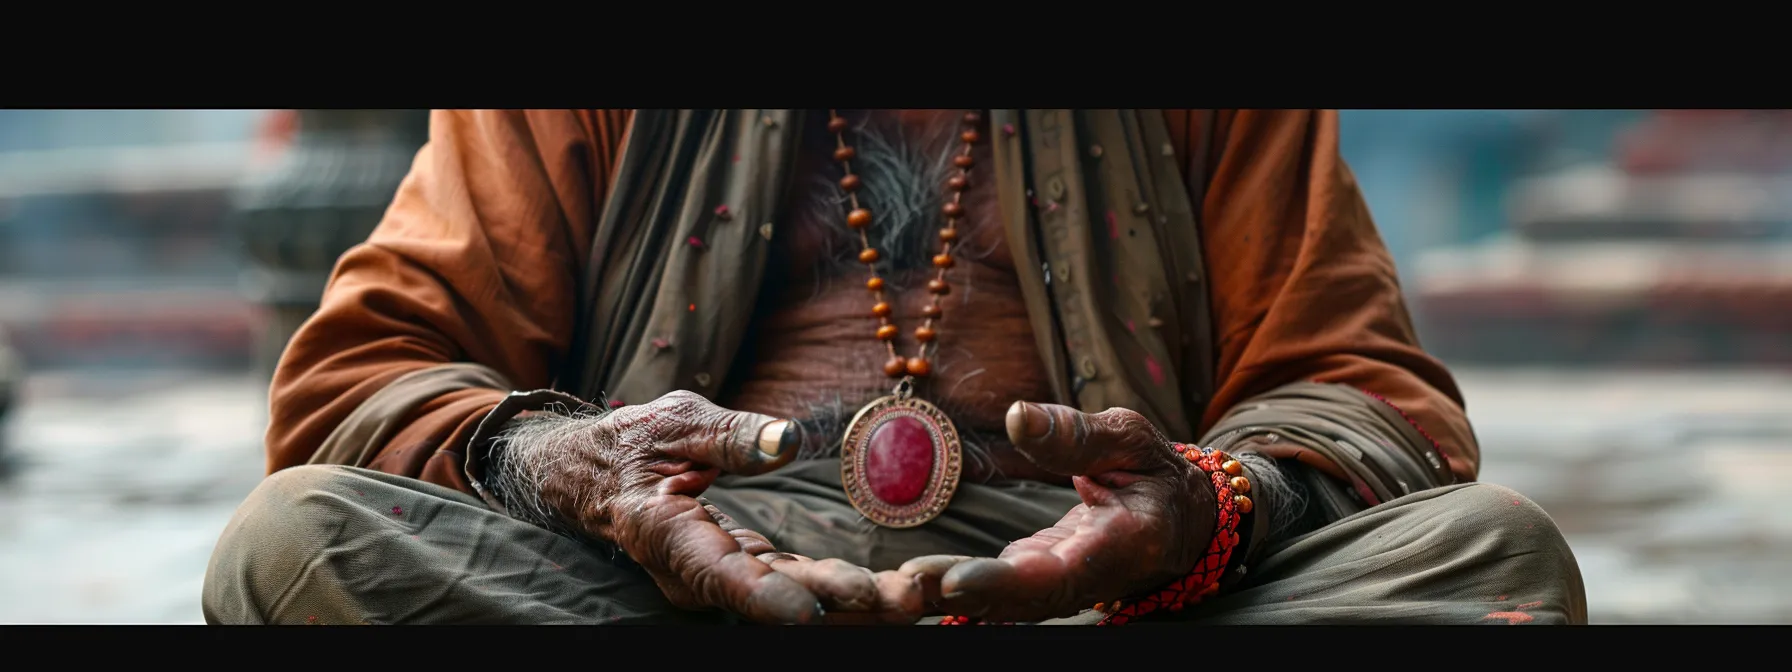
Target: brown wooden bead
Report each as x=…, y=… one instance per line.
x=886, y=332
x=969, y=137
x=972, y=117
x=1240, y=484
x=939, y=286
x=918, y=367
x=952, y=209
x=948, y=234
x=1244, y=503
x=1232, y=467
x=963, y=161
x=849, y=183
x=880, y=310
x=844, y=154
x=942, y=261
x=859, y=218
x=958, y=183
x=868, y=255
x=836, y=125
x=874, y=284
x=925, y=334
x=896, y=367
x=931, y=311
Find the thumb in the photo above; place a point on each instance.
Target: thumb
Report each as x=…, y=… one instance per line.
x=736, y=442
x=1069, y=442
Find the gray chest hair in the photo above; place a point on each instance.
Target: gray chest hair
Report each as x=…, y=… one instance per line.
x=903, y=172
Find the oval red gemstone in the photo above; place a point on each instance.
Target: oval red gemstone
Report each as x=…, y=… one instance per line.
x=899, y=460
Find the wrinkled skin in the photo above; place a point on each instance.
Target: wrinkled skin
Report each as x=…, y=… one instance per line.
x=1146, y=516
x=636, y=484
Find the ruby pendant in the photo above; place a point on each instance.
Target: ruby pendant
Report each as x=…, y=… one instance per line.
x=900, y=461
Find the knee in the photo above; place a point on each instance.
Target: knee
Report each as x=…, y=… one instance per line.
x=1495, y=521
x=1489, y=506
x=279, y=528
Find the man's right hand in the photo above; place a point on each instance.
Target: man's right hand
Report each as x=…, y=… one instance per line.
x=635, y=480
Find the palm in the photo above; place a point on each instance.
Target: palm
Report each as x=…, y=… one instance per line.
x=1142, y=523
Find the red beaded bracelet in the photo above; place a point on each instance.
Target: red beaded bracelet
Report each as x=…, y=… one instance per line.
x=1230, y=488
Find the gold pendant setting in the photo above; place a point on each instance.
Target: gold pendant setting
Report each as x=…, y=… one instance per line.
x=900, y=461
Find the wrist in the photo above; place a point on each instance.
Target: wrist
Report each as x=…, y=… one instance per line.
x=530, y=468
x=1230, y=491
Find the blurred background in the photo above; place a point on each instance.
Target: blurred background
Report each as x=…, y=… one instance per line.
x=1613, y=288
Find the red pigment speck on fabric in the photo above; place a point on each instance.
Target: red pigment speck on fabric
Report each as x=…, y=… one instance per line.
x=1530, y=605
x=1130, y=327
x=397, y=510
x=1512, y=617
x=695, y=241
x=1113, y=225
x=1156, y=371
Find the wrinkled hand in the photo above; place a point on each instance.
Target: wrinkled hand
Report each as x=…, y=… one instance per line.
x=635, y=482
x=1147, y=516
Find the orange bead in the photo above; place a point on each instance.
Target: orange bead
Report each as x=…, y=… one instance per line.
x=849, y=183
x=1240, y=484
x=942, y=261
x=969, y=137
x=836, y=125
x=958, y=183
x=1232, y=467
x=939, y=287
x=924, y=334
x=918, y=367
x=972, y=117
x=874, y=284
x=896, y=367
x=948, y=234
x=886, y=332
x=859, y=218
x=868, y=255
x=953, y=210
x=880, y=310
x=1244, y=503
x=1220, y=457
x=844, y=154
x=962, y=161
x=931, y=311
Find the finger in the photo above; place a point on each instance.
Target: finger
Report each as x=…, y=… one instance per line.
x=899, y=603
x=926, y=571
x=1025, y=586
x=751, y=542
x=703, y=563
x=736, y=442
x=1069, y=442
x=840, y=585
x=901, y=598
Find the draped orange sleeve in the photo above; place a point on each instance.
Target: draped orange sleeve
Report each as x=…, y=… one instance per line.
x=475, y=261
x=1303, y=288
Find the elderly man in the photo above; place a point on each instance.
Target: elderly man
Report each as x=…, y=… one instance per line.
x=876, y=366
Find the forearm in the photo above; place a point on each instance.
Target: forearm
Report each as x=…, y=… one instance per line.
x=1281, y=490
x=520, y=461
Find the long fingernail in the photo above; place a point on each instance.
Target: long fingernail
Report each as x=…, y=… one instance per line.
x=779, y=436
x=1028, y=421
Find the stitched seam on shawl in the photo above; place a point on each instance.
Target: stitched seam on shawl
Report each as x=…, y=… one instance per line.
x=1435, y=446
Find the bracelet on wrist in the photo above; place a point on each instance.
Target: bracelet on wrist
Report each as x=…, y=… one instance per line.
x=1232, y=500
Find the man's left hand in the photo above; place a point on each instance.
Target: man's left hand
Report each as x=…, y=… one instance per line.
x=1147, y=516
